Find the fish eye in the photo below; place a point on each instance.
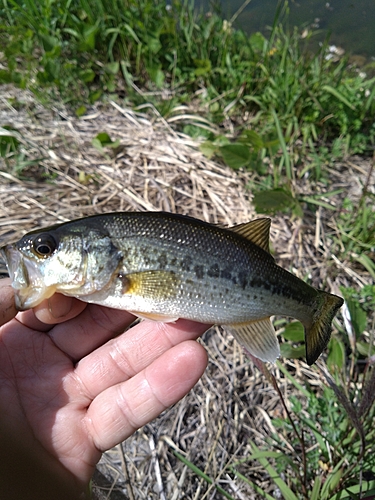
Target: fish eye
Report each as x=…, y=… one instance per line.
x=44, y=245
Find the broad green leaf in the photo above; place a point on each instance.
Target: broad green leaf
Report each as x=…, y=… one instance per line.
x=94, y=96
x=257, y=41
x=294, y=331
x=49, y=42
x=365, y=349
x=80, y=111
x=208, y=148
x=203, y=66
x=112, y=68
x=235, y=155
x=336, y=356
x=357, y=315
x=291, y=352
x=5, y=76
x=153, y=44
x=104, y=138
x=250, y=137
x=87, y=75
x=53, y=68
x=273, y=200
x=157, y=76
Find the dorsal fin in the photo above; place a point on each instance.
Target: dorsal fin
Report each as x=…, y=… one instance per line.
x=257, y=231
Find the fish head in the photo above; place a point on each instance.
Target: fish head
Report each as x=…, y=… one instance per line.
x=70, y=261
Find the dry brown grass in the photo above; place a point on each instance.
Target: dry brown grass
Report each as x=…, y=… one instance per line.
x=155, y=168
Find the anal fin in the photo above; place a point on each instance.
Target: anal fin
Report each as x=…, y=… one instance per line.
x=258, y=337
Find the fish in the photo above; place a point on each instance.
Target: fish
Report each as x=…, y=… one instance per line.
x=164, y=266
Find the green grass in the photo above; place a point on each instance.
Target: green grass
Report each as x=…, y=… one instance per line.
x=85, y=49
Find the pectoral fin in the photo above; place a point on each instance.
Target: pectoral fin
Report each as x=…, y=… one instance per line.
x=258, y=337
x=151, y=284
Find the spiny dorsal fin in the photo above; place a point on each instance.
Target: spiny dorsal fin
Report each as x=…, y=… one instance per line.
x=257, y=231
x=258, y=337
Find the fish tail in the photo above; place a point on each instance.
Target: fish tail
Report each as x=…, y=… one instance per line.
x=318, y=331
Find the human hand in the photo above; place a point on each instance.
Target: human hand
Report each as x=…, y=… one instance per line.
x=69, y=390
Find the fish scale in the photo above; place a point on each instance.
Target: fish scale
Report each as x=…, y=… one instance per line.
x=165, y=266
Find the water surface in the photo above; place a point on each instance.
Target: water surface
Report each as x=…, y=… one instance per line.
x=350, y=22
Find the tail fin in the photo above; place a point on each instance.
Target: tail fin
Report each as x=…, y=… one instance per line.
x=318, y=333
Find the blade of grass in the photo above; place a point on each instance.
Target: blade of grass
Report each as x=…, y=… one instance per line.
x=292, y=379
x=280, y=483
x=201, y=474
x=338, y=96
x=280, y=135
x=253, y=485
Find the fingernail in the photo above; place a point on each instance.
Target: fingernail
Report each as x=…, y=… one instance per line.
x=59, y=305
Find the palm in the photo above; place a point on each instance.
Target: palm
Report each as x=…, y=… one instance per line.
x=71, y=391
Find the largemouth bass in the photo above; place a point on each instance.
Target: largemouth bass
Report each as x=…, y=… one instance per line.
x=165, y=266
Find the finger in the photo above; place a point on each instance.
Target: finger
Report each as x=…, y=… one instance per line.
x=8, y=308
x=95, y=325
x=57, y=309
x=117, y=412
x=125, y=356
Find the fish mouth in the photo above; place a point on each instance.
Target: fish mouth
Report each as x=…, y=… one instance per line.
x=27, y=280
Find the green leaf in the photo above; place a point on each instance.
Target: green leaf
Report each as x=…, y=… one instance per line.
x=5, y=76
x=112, y=68
x=280, y=483
x=201, y=474
x=235, y=155
x=257, y=41
x=49, y=43
x=251, y=138
x=316, y=489
x=336, y=356
x=365, y=349
x=94, y=96
x=274, y=200
x=52, y=69
x=87, y=75
x=332, y=480
x=88, y=38
x=208, y=148
x=294, y=331
x=153, y=44
x=291, y=352
x=157, y=76
x=357, y=315
x=338, y=96
x=366, y=262
x=103, y=140
x=8, y=142
x=80, y=111
x=203, y=67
